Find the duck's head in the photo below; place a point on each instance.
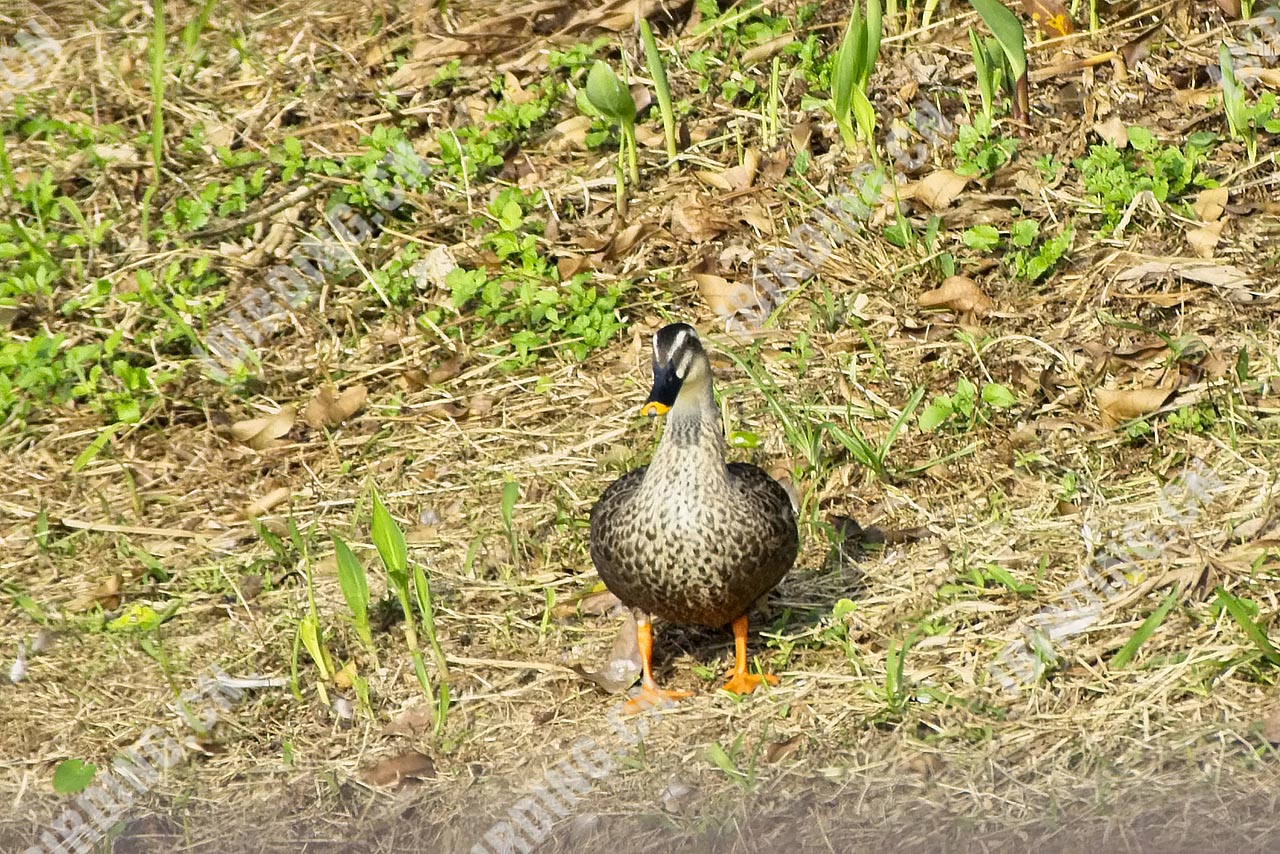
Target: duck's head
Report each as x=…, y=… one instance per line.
x=681, y=371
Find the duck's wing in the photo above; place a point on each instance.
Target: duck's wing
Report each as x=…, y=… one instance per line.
x=777, y=539
x=609, y=515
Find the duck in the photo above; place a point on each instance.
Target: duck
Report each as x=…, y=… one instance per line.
x=690, y=538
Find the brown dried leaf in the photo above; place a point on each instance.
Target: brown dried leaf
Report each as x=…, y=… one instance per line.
x=570, y=134
x=1113, y=130
x=397, y=770
x=623, y=667
x=959, y=293
x=446, y=370
x=1210, y=204
x=742, y=176
x=780, y=750
x=1204, y=240
x=444, y=410
x=1120, y=405
x=940, y=189
x=722, y=296
x=106, y=594
x=410, y=721
x=624, y=241
x=328, y=408
x=1218, y=275
x=695, y=221
x=262, y=433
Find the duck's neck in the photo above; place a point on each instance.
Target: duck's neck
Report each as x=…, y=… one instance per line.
x=692, y=435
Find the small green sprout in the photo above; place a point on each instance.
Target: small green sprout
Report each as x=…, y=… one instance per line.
x=611, y=98
x=852, y=71
x=659, y=74
x=1012, y=40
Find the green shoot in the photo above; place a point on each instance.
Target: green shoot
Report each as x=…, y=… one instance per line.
x=989, y=67
x=426, y=607
x=659, y=74
x=852, y=71
x=870, y=455
x=355, y=589
x=388, y=539
x=612, y=99
x=1144, y=632
x=1239, y=612
x=1242, y=120
x=1013, y=42
x=894, y=681
x=510, y=494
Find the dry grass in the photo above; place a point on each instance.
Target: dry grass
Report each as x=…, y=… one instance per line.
x=1166, y=754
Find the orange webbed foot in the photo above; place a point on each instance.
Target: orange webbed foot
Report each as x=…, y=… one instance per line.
x=744, y=682
x=650, y=697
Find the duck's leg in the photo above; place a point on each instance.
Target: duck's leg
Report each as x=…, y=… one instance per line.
x=650, y=696
x=742, y=681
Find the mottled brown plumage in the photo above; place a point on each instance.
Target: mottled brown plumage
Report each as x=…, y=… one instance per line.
x=689, y=538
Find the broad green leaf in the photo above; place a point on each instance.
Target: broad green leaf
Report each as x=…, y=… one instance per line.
x=355, y=589
x=936, y=413
x=998, y=396
x=388, y=539
x=73, y=776
x=609, y=94
x=1007, y=29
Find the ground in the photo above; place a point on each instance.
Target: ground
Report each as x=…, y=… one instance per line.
x=1024, y=395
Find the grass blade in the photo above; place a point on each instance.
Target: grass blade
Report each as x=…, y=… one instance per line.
x=1240, y=614
x=658, y=72
x=1122, y=658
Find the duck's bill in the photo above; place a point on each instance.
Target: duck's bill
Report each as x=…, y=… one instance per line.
x=666, y=387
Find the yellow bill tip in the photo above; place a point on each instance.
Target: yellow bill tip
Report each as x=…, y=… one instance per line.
x=653, y=408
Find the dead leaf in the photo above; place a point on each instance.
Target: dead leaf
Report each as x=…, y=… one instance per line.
x=958, y=293
x=1136, y=49
x=446, y=370
x=694, y=221
x=623, y=667
x=328, y=408
x=515, y=93
x=779, y=750
x=410, y=721
x=723, y=297
x=1113, y=130
x=650, y=137
x=570, y=134
x=1209, y=204
x=480, y=405
x=627, y=239
x=595, y=604
x=1230, y=7
x=1204, y=240
x=443, y=410
x=262, y=433
x=940, y=189
x=1237, y=285
x=1120, y=405
x=106, y=594
x=264, y=504
x=396, y=770
x=742, y=176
